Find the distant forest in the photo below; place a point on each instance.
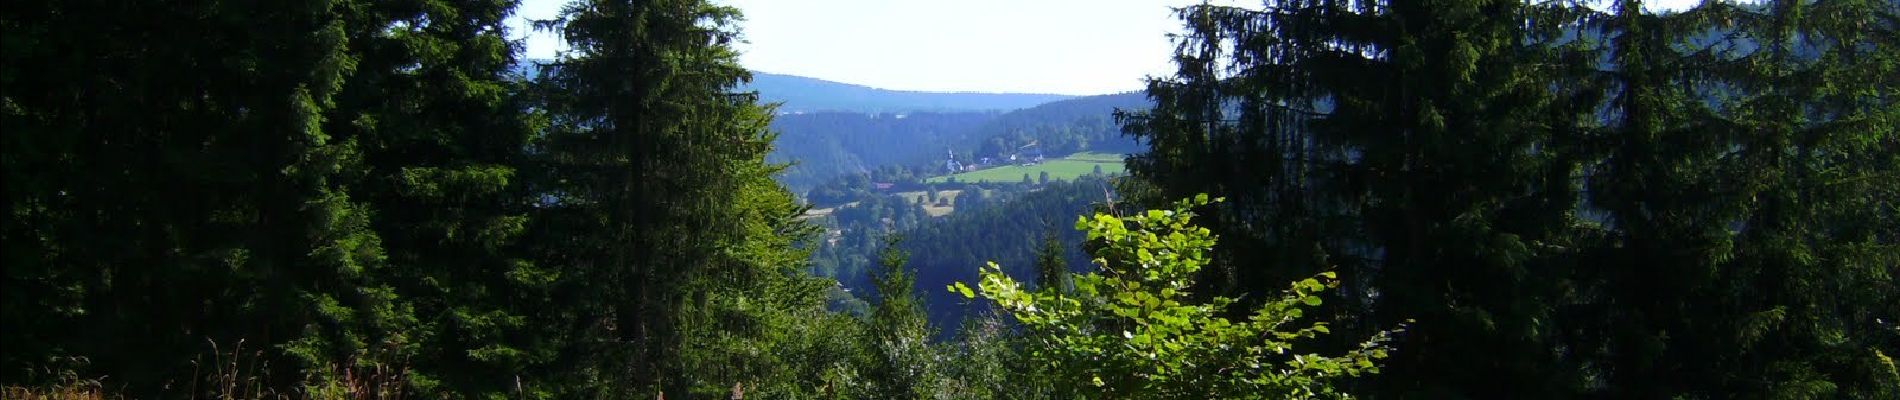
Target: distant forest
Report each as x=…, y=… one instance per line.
x=797, y=94
x=826, y=146
x=1459, y=199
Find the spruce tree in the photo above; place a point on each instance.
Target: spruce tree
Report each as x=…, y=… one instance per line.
x=652, y=196
x=1571, y=203
x=899, y=334
x=166, y=193
x=1750, y=195
x=1052, y=268
x=1402, y=143
x=443, y=126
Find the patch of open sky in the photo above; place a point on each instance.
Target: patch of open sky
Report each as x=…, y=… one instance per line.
x=1074, y=47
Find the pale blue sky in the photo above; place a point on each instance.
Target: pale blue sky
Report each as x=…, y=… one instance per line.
x=1036, y=46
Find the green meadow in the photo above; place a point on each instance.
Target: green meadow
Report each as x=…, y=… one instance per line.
x=1066, y=168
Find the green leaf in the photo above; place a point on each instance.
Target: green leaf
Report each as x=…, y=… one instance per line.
x=960, y=288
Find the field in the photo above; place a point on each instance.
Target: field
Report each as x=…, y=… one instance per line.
x=1065, y=168
x=918, y=197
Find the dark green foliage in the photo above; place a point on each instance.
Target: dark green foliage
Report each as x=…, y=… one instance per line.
x=756, y=319
x=1010, y=230
x=165, y=194
x=658, y=206
x=1570, y=203
x=1408, y=156
x=1015, y=224
x=1750, y=194
x=347, y=187
x=442, y=126
x=899, y=335
x=855, y=234
x=987, y=364
x=1052, y=269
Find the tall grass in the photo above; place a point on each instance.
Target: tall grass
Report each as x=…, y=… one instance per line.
x=239, y=374
x=73, y=389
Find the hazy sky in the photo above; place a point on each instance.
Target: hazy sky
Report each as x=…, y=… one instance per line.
x=1036, y=46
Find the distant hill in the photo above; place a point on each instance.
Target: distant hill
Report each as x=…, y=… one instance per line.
x=802, y=94
x=1074, y=108
x=805, y=95
x=822, y=146
x=828, y=145
x=1055, y=129
x=830, y=129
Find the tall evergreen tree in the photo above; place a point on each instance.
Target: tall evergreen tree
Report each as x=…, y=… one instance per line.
x=1052, y=267
x=758, y=320
x=1657, y=221
x=653, y=184
x=165, y=193
x=1402, y=142
x=443, y=127
x=899, y=333
x=1751, y=198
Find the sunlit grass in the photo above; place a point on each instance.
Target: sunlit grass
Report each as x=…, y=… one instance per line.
x=1066, y=168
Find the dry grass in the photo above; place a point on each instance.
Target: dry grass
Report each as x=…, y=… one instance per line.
x=240, y=374
x=85, y=390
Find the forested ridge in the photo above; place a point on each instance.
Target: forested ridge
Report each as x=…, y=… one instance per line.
x=797, y=94
x=1012, y=224
x=829, y=149
x=825, y=147
x=354, y=199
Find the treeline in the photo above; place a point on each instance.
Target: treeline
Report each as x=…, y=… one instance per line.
x=871, y=183
x=828, y=150
x=1016, y=226
x=1011, y=224
x=371, y=199
x=335, y=190
x=1482, y=198
x=827, y=146
x=1058, y=128
x=1571, y=203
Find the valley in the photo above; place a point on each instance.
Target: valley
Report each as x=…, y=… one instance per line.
x=944, y=173
x=616, y=199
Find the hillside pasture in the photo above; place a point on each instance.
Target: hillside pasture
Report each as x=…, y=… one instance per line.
x=948, y=198
x=1063, y=169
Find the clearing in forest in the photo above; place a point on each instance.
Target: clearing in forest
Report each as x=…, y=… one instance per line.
x=1062, y=169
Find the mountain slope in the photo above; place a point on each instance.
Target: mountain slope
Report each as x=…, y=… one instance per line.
x=827, y=145
x=1061, y=127
x=802, y=94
